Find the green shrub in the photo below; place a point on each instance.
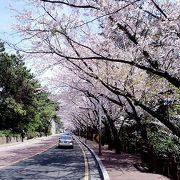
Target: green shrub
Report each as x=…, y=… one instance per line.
x=17, y=135
x=8, y=133
x=42, y=134
x=2, y=134
x=31, y=135
x=165, y=144
x=49, y=133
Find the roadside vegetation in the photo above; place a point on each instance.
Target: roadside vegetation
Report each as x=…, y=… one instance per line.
x=24, y=105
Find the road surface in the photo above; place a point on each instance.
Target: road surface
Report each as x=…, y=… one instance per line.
x=53, y=163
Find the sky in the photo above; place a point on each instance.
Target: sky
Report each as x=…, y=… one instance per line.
x=6, y=33
x=5, y=16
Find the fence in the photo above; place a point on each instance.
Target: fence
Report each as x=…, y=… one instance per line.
x=166, y=166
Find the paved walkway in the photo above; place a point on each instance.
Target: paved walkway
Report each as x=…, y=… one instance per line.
x=14, y=152
x=121, y=166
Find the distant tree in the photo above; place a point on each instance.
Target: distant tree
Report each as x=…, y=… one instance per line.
x=23, y=103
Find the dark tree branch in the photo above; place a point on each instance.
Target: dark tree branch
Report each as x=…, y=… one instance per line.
x=154, y=69
x=130, y=36
x=175, y=130
x=159, y=9
x=71, y=5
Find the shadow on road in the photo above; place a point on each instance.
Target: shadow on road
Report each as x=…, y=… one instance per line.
x=54, y=163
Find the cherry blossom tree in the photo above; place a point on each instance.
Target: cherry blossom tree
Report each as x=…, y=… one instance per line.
x=124, y=49
x=146, y=32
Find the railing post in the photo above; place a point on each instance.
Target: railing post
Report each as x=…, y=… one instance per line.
x=174, y=169
x=86, y=133
x=153, y=158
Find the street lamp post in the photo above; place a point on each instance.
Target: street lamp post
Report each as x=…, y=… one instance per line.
x=86, y=133
x=85, y=108
x=100, y=125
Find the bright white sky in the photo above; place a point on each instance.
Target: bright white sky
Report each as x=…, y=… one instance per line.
x=5, y=15
x=6, y=33
x=6, y=21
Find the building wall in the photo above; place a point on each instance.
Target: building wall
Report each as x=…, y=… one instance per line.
x=53, y=127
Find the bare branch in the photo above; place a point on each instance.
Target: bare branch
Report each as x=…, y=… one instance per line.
x=160, y=10
x=72, y=5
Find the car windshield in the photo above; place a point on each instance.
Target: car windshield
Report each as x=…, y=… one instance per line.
x=66, y=137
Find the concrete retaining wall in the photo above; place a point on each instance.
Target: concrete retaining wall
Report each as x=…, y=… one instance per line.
x=5, y=140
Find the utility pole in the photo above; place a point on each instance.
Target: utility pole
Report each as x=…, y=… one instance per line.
x=86, y=132
x=100, y=125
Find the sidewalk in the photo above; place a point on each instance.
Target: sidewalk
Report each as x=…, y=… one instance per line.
x=121, y=166
x=14, y=152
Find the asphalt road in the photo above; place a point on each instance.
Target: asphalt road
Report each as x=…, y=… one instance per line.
x=55, y=163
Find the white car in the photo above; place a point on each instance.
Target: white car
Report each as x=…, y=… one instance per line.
x=65, y=141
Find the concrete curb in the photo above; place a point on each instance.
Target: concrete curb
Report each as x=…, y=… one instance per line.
x=104, y=173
